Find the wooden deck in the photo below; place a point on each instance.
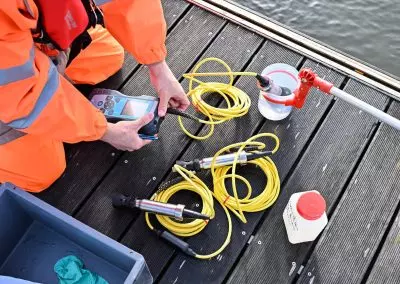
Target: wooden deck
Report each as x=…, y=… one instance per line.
x=330, y=146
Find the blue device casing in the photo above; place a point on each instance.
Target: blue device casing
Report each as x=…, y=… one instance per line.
x=113, y=104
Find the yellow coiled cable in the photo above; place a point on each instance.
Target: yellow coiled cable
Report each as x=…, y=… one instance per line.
x=247, y=204
x=193, y=183
x=238, y=102
x=237, y=205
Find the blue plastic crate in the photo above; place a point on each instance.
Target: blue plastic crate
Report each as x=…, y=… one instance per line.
x=34, y=235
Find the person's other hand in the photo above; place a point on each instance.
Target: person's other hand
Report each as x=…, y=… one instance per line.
x=124, y=135
x=168, y=88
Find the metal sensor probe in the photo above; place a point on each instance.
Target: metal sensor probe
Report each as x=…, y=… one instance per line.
x=176, y=211
x=223, y=160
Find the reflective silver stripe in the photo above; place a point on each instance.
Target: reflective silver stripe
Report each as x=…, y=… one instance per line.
x=16, y=73
x=101, y=2
x=47, y=93
x=29, y=8
x=8, y=134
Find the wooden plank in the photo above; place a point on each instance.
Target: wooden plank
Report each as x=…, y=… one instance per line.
x=326, y=165
x=216, y=270
x=139, y=172
x=269, y=54
x=87, y=163
x=387, y=266
x=241, y=45
x=348, y=244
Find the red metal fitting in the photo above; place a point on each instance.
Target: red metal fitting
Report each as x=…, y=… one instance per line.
x=323, y=85
x=309, y=79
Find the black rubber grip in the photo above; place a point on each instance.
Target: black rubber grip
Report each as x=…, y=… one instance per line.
x=175, y=241
x=264, y=82
x=123, y=201
x=153, y=127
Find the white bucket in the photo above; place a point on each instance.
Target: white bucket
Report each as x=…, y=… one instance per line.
x=282, y=75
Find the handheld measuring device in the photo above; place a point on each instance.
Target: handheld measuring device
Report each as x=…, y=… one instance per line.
x=117, y=107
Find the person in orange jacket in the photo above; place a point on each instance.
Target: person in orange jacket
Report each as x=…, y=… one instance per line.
x=39, y=106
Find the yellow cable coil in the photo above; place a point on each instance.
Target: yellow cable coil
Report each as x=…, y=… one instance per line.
x=194, y=184
x=238, y=102
x=237, y=205
x=247, y=204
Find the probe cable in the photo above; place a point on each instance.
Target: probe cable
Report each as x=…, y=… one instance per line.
x=237, y=101
x=193, y=183
x=233, y=203
x=247, y=204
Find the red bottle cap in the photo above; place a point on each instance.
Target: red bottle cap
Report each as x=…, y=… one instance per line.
x=311, y=205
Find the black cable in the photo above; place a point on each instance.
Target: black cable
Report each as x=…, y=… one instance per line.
x=258, y=155
x=175, y=111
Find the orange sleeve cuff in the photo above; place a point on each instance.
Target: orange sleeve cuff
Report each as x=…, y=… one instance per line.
x=152, y=55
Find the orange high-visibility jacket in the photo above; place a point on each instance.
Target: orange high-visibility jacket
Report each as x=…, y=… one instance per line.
x=35, y=98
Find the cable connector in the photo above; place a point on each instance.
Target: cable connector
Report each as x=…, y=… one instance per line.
x=263, y=82
x=257, y=155
x=176, y=242
x=194, y=165
x=123, y=201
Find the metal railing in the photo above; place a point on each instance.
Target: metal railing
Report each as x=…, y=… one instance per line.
x=304, y=45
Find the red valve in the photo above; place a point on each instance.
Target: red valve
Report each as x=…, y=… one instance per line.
x=308, y=79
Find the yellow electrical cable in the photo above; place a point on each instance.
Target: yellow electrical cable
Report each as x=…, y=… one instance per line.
x=238, y=102
x=247, y=204
x=193, y=183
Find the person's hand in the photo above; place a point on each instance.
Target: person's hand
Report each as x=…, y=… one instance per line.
x=124, y=135
x=168, y=88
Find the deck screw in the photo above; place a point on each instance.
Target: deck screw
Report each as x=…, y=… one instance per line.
x=243, y=233
x=126, y=161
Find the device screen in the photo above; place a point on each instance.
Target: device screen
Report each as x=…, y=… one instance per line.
x=136, y=108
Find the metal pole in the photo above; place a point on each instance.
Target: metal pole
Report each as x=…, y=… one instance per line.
x=394, y=122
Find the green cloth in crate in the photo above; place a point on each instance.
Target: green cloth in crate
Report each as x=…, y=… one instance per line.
x=70, y=271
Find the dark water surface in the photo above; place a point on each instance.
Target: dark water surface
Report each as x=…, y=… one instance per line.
x=366, y=29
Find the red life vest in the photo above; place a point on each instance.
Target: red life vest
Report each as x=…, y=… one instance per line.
x=64, y=23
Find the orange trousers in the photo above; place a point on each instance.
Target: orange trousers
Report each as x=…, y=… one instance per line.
x=32, y=162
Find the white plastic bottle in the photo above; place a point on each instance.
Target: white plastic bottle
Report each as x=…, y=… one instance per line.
x=305, y=216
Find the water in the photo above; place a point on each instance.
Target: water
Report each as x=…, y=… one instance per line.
x=368, y=30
